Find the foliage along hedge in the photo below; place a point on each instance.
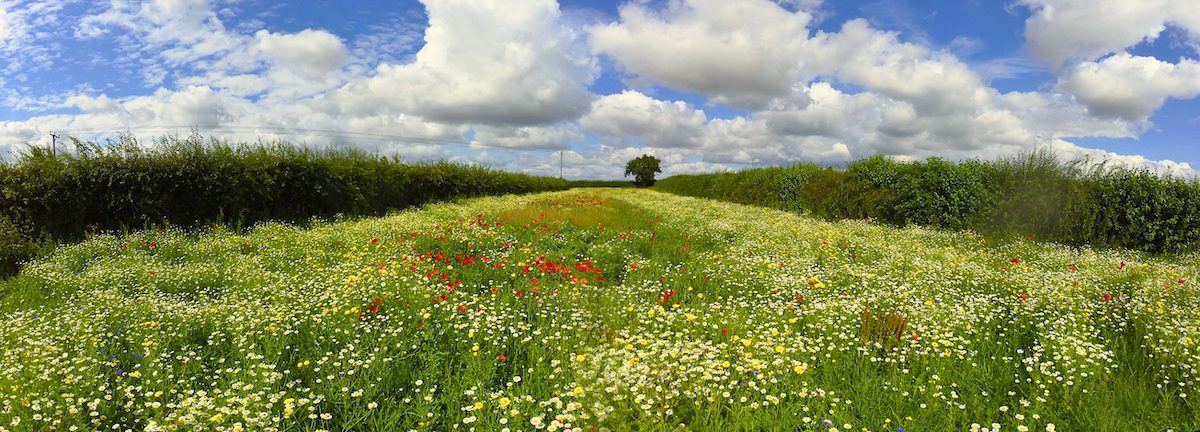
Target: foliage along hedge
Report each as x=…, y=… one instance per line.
x=1034, y=194
x=185, y=181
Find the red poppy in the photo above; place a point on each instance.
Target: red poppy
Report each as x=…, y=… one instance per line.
x=1024, y=296
x=378, y=300
x=151, y=272
x=519, y=294
x=799, y=298
x=724, y=331
x=1015, y=260
x=633, y=266
x=374, y=308
x=462, y=308
x=502, y=358
x=1121, y=266
x=374, y=241
x=1107, y=297
x=915, y=337
x=1181, y=281
x=1073, y=267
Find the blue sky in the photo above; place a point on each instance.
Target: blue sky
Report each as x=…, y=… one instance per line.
x=704, y=84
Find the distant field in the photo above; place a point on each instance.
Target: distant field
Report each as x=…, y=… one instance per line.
x=597, y=309
x=600, y=183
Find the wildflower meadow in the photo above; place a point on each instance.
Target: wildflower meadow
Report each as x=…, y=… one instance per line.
x=597, y=309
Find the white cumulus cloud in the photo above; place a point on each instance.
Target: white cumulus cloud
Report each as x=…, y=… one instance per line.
x=1131, y=87
x=655, y=123
x=311, y=53
x=5, y=31
x=528, y=71
x=1060, y=31
x=742, y=53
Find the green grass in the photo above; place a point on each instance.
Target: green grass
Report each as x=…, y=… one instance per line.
x=610, y=309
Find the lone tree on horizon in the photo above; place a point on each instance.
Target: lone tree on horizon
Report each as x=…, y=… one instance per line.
x=643, y=168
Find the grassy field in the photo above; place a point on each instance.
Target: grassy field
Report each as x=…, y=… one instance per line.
x=597, y=309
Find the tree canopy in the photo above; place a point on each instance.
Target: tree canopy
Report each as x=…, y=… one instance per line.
x=643, y=168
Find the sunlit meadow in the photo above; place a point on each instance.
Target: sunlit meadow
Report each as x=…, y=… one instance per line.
x=597, y=310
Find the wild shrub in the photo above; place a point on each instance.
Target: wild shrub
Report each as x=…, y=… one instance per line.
x=1136, y=208
x=14, y=246
x=887, y=329
x=940, y=193
x=1033, y=194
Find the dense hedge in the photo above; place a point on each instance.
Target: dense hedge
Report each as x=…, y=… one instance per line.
x=186, y=181
x=1034, y=194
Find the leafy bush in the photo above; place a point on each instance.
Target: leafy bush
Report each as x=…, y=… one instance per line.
x=1033, y=194
x=14, y=246
x=187, y=181
x=1138, y=208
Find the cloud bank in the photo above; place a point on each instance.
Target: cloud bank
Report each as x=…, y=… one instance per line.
x=506, y=83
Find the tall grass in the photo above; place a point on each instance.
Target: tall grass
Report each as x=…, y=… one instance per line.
x=1034, y=194
x=187, y=181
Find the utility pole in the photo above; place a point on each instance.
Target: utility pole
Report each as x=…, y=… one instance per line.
x=53, y=144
